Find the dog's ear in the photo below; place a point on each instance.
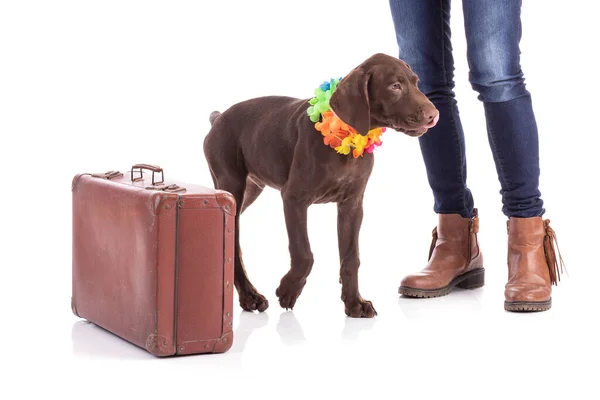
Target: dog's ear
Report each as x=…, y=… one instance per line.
x=350, y=101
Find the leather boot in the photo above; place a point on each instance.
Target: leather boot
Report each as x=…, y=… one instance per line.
x=532, y=265
x=454, y=259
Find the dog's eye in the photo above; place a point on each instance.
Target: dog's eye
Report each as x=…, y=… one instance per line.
x=396, y=86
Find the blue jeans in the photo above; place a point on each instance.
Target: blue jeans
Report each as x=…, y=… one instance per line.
x=493, y=33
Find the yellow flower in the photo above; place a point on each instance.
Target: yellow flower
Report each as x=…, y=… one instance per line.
x=375, y=134
x=359, y=142
x=344, y=148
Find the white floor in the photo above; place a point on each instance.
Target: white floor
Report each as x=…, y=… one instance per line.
x=460, y=346
x=91, y=87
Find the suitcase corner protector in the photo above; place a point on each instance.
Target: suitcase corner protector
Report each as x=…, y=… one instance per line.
x=224, y=343
x=159, y=346
x=163, y=203
x=226, y=202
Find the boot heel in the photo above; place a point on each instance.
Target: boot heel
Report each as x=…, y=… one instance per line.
x=474, y=281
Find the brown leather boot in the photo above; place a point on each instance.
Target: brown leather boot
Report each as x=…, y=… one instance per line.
x=532, y=265
x=454, y=259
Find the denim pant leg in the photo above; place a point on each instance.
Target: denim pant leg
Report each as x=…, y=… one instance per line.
x=493, y=30
x=423, y=36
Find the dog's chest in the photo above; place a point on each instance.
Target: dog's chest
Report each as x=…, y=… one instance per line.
x=343, y=178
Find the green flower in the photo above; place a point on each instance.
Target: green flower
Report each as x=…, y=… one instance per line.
x=320, y=103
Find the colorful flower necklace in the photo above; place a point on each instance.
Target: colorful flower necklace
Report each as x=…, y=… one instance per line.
x=336, y=133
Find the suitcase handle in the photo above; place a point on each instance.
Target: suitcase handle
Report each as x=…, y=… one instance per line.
x=153, y=168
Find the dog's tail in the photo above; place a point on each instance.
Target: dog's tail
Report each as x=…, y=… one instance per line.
x=213, y=116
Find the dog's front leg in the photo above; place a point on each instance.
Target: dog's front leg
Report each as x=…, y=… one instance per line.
x=349, y=220
x=301, y=256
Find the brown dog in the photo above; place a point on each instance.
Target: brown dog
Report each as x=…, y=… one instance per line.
x=271, y=141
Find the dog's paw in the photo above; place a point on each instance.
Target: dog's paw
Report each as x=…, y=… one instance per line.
x=360, y=309
x=253, y=301
x=288, y=293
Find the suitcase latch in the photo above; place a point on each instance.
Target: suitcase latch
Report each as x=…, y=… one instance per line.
x=167, y=188
x=108, y=175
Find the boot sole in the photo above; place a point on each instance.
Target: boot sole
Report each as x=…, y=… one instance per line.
x=527, y=306
x=469, y=280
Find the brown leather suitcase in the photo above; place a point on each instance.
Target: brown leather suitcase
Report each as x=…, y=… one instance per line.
x=153, y=260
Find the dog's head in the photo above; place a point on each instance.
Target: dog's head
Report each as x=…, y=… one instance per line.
x=383, y=92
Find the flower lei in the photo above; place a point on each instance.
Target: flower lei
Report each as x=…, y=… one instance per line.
x=336, y=133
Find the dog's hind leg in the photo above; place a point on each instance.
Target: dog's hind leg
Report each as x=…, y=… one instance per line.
x=234, y=182
x=251, y=194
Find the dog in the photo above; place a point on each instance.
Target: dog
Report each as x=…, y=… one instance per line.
x=272, y=141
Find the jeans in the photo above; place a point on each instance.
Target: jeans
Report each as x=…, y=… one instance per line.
x=493, y=33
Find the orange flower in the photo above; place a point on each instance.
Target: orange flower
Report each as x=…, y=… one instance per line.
x=332, y=140
x=332, y=128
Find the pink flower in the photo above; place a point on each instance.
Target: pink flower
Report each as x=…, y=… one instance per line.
x=370, y=147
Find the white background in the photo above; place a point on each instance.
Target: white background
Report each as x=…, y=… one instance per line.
x=94, y=86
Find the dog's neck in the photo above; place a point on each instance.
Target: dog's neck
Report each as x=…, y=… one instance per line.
x=336, y=133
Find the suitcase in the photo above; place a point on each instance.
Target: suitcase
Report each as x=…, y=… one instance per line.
x=153, y=260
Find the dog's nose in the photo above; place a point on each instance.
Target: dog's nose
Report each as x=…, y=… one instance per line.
x=431, y=117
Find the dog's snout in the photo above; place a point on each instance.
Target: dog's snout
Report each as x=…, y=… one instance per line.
x=430, y=113
x=430, y=116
